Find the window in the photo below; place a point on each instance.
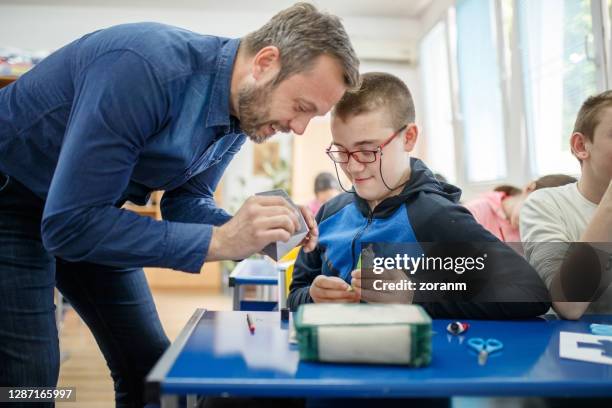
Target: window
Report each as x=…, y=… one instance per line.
x=559, y=73
x=438, y=124
x=480, y=91
x=503, y=81
x=608, y=43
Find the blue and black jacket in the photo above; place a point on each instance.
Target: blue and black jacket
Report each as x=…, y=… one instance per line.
x=426, y=211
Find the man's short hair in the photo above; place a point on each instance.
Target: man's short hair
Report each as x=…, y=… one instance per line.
x=378, y=90
x=302, y=33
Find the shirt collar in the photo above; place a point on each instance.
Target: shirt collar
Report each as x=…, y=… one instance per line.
x=219, y=107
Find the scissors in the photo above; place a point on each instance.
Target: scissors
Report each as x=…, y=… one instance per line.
x=601, y=329
x=484, y=347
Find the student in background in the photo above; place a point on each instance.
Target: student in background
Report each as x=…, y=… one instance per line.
x=325, y=188
x=498, y=211
x=396, y=199
x=573, y=213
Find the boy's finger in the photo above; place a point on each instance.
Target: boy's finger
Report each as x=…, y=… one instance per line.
x=338, y=300
x=338, y=295
x=308, y=217
x=312, y=238
x=309, y=243
x=333, y=283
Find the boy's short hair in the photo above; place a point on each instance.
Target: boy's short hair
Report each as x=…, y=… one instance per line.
x=588, y=116
x=325, y=181
x=547, y=181
x=378, y=90
x=553, y=180
x=508, y=189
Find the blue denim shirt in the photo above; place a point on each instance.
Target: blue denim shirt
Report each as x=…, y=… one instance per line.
x=113, y=116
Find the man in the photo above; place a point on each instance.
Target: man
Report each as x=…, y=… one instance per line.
x=555, y=221
x=113, y=116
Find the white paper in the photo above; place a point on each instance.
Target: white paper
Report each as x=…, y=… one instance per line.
x=232, y=338
x=584, y=347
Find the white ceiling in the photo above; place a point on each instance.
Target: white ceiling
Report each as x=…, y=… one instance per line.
x=361, y=8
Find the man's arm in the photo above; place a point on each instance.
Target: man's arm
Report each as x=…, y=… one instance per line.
x=194, y=201
x=118, y=103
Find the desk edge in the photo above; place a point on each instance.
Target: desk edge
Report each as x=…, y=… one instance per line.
x=163, y=365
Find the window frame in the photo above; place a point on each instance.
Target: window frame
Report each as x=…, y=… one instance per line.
x=520, y=165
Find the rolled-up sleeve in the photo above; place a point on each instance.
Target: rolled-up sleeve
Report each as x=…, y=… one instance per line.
x=118, y=104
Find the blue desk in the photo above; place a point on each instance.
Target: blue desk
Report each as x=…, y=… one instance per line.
x=258, y=272
x=216, y=355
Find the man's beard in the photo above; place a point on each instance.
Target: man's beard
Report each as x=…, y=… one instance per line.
x=254, y=113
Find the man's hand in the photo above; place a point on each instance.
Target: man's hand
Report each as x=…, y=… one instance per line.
x=310, y=240
x=364, y=287
x=331, y=289
x=260, y=221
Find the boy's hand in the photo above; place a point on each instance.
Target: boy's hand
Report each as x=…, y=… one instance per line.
x=331, y=289
x=311, y=239
x=364, y=287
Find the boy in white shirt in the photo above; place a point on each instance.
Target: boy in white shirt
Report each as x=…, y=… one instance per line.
x=578, y=212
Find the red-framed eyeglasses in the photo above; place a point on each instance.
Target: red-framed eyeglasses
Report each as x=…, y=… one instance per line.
x=361, y=156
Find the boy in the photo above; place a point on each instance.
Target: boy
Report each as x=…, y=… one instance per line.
x=555, y=219
x=396, y=199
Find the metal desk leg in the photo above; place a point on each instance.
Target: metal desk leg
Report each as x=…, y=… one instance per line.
x=282, y=289
x=169, y=401
x=282, y=294
x=237, y=297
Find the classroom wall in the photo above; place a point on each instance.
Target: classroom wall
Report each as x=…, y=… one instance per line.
x=38, y=24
